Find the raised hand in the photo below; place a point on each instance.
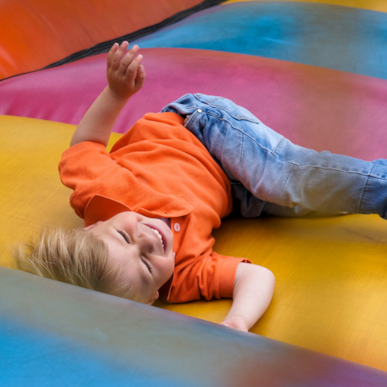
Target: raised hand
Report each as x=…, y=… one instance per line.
x=124, y=72
x=125, y=76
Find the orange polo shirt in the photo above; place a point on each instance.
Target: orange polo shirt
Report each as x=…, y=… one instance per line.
x=159, y=169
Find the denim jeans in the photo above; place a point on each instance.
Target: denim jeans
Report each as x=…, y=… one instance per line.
x=269, y=174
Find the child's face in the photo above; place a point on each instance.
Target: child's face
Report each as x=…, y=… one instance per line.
x=142, y=247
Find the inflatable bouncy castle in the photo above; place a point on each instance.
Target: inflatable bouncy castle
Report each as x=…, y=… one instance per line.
x=315, y=72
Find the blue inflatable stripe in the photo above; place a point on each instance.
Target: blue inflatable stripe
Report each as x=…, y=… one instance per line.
x=335, y=37
x=49, y=359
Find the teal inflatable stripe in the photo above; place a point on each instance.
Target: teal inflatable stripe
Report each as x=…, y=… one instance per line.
x=330, y=36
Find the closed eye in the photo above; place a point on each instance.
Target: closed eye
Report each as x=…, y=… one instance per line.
x=127, y=240
x=124, y=235
x=147, y=264
x=144, y=260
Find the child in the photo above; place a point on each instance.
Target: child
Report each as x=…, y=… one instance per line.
x=151, y=204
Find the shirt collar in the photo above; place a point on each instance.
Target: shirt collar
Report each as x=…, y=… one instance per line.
x=101, y=208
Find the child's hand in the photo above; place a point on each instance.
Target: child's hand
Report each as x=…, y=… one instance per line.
x=236, y=323
x=125, y=76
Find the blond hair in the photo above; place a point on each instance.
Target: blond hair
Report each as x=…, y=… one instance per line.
x=75, y=257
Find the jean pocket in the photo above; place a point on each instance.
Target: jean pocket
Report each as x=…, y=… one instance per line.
x=237, y=112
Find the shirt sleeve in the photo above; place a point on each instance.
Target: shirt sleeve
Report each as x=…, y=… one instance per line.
x=211, y=276
x=88, y=170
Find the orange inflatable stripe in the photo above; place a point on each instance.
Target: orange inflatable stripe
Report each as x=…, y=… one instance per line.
x=36, y=33
x=372, y=5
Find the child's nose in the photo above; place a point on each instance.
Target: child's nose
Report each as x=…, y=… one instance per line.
x=147, y=239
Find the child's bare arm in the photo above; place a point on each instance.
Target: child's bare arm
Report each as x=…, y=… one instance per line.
x=125, y=77
x=253, y=291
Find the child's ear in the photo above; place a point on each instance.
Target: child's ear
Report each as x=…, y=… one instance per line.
x=154, y=298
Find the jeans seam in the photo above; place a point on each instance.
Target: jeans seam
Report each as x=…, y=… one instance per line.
x=191, y=117
x=364, y=190
x=286, y=183
x=328, y=169
x=242, y=147
x=279, y=142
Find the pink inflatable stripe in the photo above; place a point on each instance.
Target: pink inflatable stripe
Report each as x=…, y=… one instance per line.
x=315, y=107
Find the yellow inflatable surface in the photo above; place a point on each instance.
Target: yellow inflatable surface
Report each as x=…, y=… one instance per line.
x=372, y=5
x=331, y=273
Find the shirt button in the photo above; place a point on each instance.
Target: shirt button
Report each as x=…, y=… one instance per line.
x=200, y=110
x=176, y=227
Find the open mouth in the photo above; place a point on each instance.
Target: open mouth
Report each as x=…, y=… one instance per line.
x=161, y=237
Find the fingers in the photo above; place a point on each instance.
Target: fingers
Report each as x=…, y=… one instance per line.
x=132, y=67
x=127, y=59
x=116, y=59
x=140, y=77
x=124, y=69
x=110, y=55
x=115, y=55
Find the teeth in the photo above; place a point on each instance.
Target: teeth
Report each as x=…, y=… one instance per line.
x=159, y=235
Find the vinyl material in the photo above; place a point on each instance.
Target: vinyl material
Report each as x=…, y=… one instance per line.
x=36, y=33
x=324, y=35
x=66, y=336
x=372, y=5
x=331, y=273
x=314, y=107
